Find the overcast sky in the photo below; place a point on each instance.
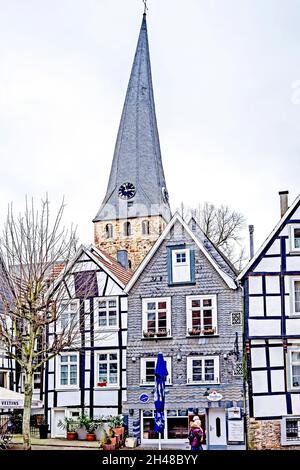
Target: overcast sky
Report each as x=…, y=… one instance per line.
x=226, y=79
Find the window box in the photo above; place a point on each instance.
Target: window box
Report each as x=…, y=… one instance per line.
x=206, y=332
x=161, y=333
x=209, y=331
x=194, y=332
x=149, y=334
x=101, y=384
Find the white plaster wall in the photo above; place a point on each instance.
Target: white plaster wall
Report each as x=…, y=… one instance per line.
x=256, y=306
x=101, y=279
x=264, y=328
x=274, y=248
x=277, y=381
x=259, y=381
x=258, y=357
x=255, y=285
x=296, y=403
x=124, y=379
x=272, y=284
x=273, y=305
x=107, y=339
x=105, y=397
x=124, y=304
x=269, y=265
x=64, y=398
x=287, y=301
x=293, y=263
x=124, y=320
x=124, y=338
x=293, y=326
x=276, y=356
x=269, y=406
x=112, y=288
x=50, y=381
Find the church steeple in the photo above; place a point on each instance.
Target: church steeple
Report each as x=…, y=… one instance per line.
x=136, y=187
x=137, y=157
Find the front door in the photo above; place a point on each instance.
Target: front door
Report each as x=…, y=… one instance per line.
x=57, y=416
x=217, y=427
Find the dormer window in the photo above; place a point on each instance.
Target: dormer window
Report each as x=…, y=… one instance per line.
x=145, y=227
x=181, y=265
x=109, y=231
x=127, y=229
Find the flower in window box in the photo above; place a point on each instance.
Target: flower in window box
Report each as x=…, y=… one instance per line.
x=102, y=384
x=209, y=331
x=149, y=334
x=161, y=333
x=194, y=332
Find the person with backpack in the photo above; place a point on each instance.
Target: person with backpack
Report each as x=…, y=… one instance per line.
x=196, y=435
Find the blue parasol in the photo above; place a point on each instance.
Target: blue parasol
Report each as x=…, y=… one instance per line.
x=161, y=373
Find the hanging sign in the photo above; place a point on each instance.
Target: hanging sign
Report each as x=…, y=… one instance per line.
x=144, y=398
x=234, y=413
x=215, y=396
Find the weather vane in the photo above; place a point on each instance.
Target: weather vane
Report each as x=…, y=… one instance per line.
x=145, y=6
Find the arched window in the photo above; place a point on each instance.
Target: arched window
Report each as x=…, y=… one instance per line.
x=145, y=227
x=129, y=264
x=127, y=229
x=109, y=231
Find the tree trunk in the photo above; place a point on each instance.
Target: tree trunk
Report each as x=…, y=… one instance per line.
x=27, y=409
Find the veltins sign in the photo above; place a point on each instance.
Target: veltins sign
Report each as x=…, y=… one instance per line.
x=5, y=403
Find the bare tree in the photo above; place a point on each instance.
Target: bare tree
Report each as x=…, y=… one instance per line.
x=32, y=302
x=222, y=226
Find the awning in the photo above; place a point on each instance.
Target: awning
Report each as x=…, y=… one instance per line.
x=11, y=400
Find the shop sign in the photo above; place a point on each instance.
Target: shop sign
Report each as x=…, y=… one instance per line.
x=215, y=396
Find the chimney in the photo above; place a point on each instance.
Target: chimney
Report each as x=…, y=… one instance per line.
x=251, y=236
x=284, y=202
x=122, y=257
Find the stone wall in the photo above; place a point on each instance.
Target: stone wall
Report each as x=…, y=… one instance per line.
x=137, y=244
x=266, y=435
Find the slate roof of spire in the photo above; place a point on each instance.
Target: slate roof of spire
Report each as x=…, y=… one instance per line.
x=137, y=156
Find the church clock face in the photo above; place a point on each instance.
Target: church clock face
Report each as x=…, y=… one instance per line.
x=127, y=191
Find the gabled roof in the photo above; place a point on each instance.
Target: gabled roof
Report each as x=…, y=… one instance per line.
x=223, y=262
x=137, y=156
x=176, y=218
x=265, y=246
x=102, y=259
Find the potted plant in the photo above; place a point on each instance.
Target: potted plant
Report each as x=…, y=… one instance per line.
x=71, y=426
x=209, y=331
x=90, y=428
x=106, y=443
x=161, y=333
x=81, y=431
x=43, y=428
x=149, y=334
x=194, y=332
x=103, y=383
x=99, y=429
x=116, y=423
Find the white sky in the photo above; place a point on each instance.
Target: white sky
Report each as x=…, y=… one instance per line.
x=226, y=79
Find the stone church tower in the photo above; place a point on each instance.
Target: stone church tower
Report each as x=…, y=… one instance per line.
x=136, y=207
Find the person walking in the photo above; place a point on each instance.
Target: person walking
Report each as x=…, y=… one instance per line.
x=196, y=434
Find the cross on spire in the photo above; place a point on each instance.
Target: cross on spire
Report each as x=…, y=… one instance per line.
x=145, y=6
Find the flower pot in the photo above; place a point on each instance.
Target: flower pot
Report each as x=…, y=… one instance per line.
x=99, y=431
x=119, y=431
x=81, y=433
x=43, y=428
x=90, y=437
x=108, y=447
x=71, y=436
x=113, y=441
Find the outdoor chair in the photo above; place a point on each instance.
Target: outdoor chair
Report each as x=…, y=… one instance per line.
x=6, y=435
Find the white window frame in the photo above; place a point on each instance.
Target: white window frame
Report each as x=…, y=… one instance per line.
x=213, y=307
x=284, y=440
x=145, y=318
x=292, y=238
x=290, y=368
x=58, y=376
x=33, y=387
x=293, y=297
x=6, y=378
x=143, y=363
x=187, y=263
x=65, y=309
x=97, y=310
x=190, y=360
x=108, y=385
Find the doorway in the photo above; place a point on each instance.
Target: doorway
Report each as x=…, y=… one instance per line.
x=217, y=428
x=57, y=416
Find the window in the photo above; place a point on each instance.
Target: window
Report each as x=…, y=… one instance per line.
x=294, y=368
x=68, y=315
x=295, y=297
x=236, y=318
x=107, y=312
x=145, y=227
x=68, y=370
x=3, y=379
x=181, y=265
x=127, y=229
x=290, y=430
x=203, y=369
x=148, y=370
x=238, y=370
x=201, y=315
x=156, y=317
x=37, y=376
x=295, y=238
x=107, y=373
x=109, y=231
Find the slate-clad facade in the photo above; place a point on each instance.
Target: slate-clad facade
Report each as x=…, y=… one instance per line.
x=271, y=283
x=201, y=339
